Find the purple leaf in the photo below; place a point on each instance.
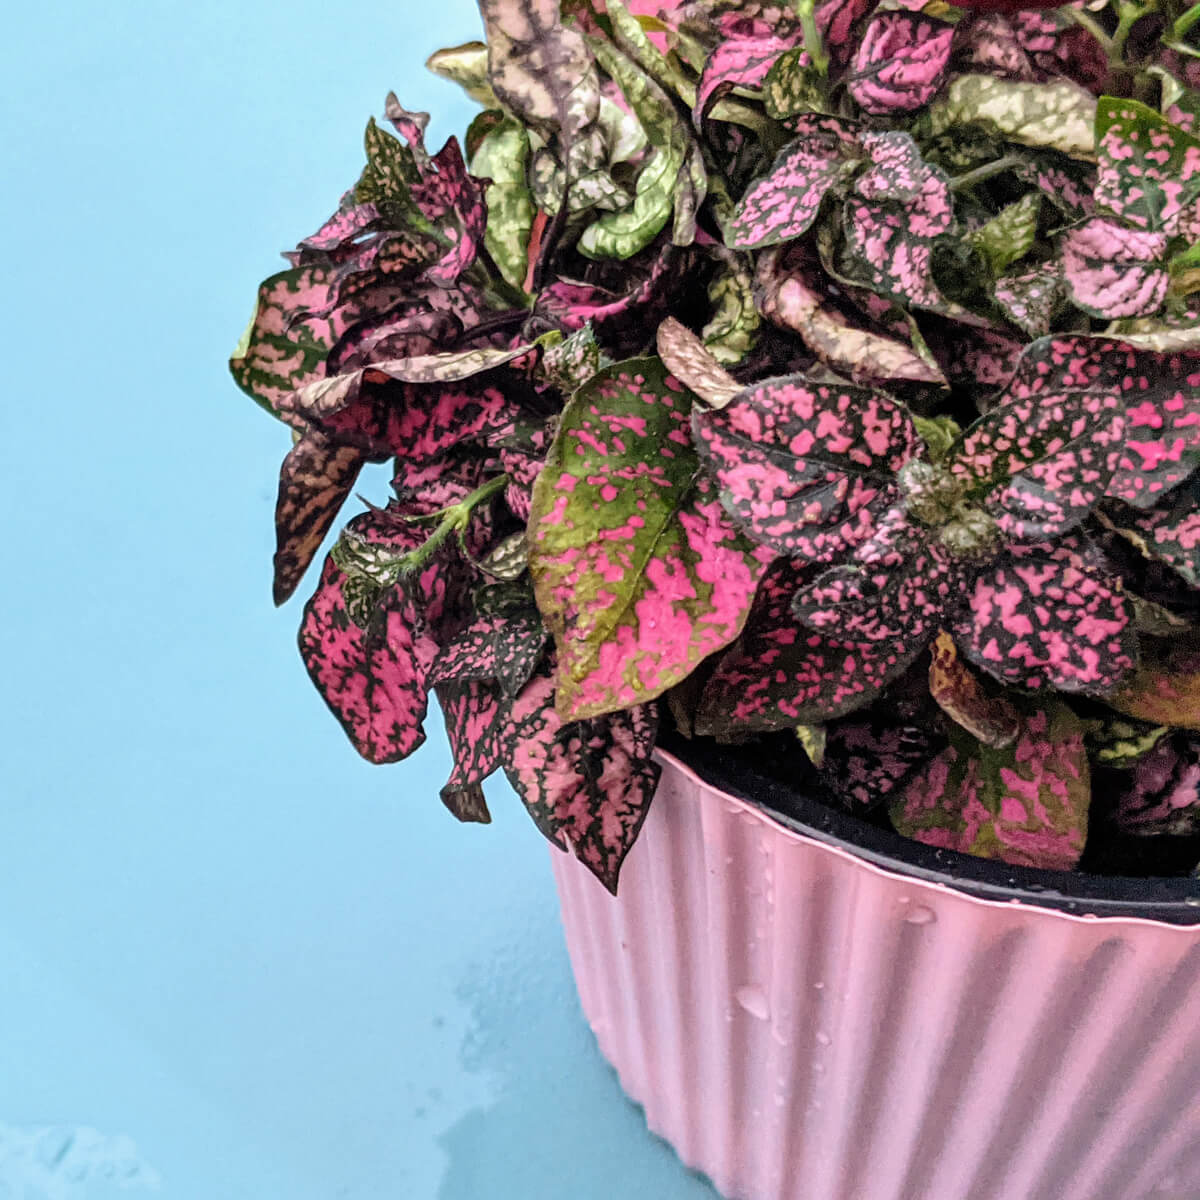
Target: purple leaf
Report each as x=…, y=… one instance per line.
x=1163, y=796
x=1039, y=463
x=836, y=20
x=374, y=678
x=1026, y=804
x=900, y=62
x=897, y=592
x=587, y=785
x=793, y=294
x=1149, y=169
x=867, y=759
x=896, y=210
x=316, y=477
x=784, y=202
x=1164, y=689
x=804, y=467
x=778, y=674
x=1112, y=271
x=1048, y=617
x=503, y=648
x=638, y=572
x=987, y=43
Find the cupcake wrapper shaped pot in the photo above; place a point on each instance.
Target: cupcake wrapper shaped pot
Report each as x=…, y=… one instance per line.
x=806, y=1019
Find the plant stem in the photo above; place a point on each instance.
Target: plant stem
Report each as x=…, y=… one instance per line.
x=454, y=518
x=813, y=43
x=979, y=174
x=1129, y=14
x=1183, y=23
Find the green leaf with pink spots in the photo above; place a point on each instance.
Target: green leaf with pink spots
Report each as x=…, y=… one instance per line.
x=1048, y=616
x=1149, y=169
x=1025, y=804
x=639, y=573
x=740, y=62
x=785, y=201
x=778, y=674
x=805, y=468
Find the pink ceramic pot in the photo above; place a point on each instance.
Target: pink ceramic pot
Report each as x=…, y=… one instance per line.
x=807, y=1020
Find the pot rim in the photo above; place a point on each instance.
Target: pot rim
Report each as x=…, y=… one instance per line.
x=1160, y=899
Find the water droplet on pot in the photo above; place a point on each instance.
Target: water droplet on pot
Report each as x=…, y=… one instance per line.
x=818, y=986
x=823, y=1038
x=920, y=915
x=754, y=1000
x=1192, y=901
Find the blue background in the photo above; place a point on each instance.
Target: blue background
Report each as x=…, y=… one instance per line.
x=235, y=961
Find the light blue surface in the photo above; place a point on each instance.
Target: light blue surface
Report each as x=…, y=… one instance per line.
x=235, y=961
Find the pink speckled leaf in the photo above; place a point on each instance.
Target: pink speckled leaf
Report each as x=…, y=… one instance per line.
x=1026, y=804
x=868, y=757
x=739, y=62
x=374, y=678
x=784, y=202
x=316, y=477
x=793, y=293
x=639, y=573
x=1149, y=169
x=1031, y=299
x=897, y=593
x=1163, y=795
x=1112, y=271
x=806, y=467
x=987, y=43
x=1048, y=616
x=896, y=210
x=900, y=62
x=475, y=725
x=1161, y=395
x=1040, y=463
x=1169, y=532
x=587, y=785
x=778, y=674
x=505, y=648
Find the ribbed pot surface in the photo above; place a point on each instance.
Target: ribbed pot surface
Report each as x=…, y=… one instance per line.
x=803, y=1025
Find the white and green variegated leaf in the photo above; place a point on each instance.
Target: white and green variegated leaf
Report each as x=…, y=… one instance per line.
x=733, y=328
x=1059, y=115
x=1009, y=235
x=466, y=65
x=502, y=157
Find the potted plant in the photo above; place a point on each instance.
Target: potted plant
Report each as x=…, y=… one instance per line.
x=802, y=403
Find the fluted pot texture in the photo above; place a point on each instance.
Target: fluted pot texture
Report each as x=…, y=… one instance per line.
x=801, y=1023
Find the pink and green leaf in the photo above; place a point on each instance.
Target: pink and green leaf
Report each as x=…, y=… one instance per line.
x=742, y=63
x=504, y=648
x=1149, y=169
x=1169, y=532
x=1032, y=299
x=1163, y=794
x=1026, y=803
x=868, y=757
x=638, y=572
x=475, y=726
x=962, y=697
x=806, y=467
x=1164, y=689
